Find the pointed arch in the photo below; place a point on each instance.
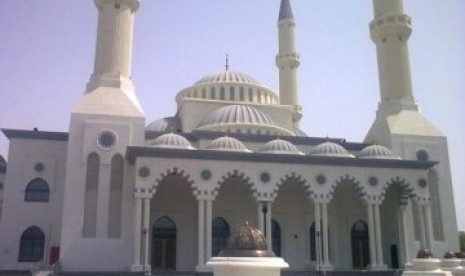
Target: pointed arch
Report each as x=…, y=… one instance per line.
x=89, y=226
x=237, y=174
x=171, y=172
x=32, y=245
x=347, y=179
x=220, y=235
x=116, y=196
x=37, y=191
x=407, y=194
x=297, y=178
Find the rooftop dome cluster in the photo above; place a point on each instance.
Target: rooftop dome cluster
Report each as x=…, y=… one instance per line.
x=277, y=146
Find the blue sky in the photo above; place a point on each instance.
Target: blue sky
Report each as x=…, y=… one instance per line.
x=47, y=48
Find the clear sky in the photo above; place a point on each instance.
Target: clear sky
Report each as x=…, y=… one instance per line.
x=47, y=48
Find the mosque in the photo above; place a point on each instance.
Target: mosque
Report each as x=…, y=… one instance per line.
x=119, y=193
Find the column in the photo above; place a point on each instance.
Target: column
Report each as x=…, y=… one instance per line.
x=404, y=232
x=325, y=234
x=371, y=234
x=137, y=233
x=269, y=234
x=208, y=230
x=260, y=217
x=428, y=227
x=379, y=248
x=421, y=220
x=201, y=232
x=147, y=233
x=317, y=235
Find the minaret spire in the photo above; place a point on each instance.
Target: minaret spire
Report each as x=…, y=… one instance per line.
x=288, y=60
x=113, y=54
x=390, y=31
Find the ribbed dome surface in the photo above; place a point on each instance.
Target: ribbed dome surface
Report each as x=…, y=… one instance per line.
x=330, y=149
x=228, y=76
x=279, y=146
x=165, y=124
x=238, y=114
x=227, y=143
x=377, y=152
x=171, y=141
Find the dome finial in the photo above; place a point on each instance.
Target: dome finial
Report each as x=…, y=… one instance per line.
x=227, y=62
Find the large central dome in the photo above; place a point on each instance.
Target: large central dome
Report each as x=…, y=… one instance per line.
x=228, y=77
x=231, y=86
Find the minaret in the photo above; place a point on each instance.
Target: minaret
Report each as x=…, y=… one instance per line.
x=288, y=60
x=105, y=121
x=390, y=31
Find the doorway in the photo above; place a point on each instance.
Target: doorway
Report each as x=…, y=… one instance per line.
x=360, y=245
x=164, y=244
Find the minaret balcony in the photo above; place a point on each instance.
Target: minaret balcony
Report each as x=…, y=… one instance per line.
x=394, y=25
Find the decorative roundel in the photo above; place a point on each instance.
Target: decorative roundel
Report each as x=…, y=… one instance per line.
x=265, y=177
x=107, y=139
x=144, y=172
x=422, y=182
x=206, y=174
x=422, y=155
x=39, y=167
x=373, y=181
x=321, y=179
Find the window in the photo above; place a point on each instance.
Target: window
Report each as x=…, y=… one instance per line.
x=91, y=196
x=232, y=95
x=116, y=196
x=37, y=191
x=241, y=93
x=212, y=93
x=360, y=245
x=32, y=244
x=222, y=94
x=220, y=235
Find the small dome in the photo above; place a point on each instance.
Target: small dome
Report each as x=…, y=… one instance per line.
x=227, y=143
x=330, y=149
x=246, y=241
x=377, y=152
x=165, y=124
x=238, y=114
x=228, y=77
x=280, y=147
x=171, y=141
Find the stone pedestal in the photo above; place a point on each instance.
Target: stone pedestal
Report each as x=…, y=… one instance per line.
x=247, y=266
x=426, y=267
x=453, y=265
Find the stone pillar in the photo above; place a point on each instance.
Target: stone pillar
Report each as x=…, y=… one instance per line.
x=379, y=248
x=201, y=233
x=318, y=235
x=371, y=235
x=146, y=232
x=421, y=220
x=428, y=227
x=136, y=262
x=325, y=235
x=404, y=232
x=208, y=230
x=260, y=218
x=269, y=234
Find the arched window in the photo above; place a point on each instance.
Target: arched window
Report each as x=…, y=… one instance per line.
x=360, y=245
x=220, y=235
x=32, y=244
x=276, y=237
x=164, y=244
x=91, y=196
x=116, y=196
x=37, y=191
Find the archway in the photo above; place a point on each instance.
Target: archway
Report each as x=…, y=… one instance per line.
x=360, y=245
x=164, y=244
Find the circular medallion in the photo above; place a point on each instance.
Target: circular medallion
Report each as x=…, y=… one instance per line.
x=265, y=177
x=422, y=182
x=144, y=172
x=321, y=179
x=422, y=155
x=39, y=167
x=205, y=174
x=373, y=181
x=107, y=139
